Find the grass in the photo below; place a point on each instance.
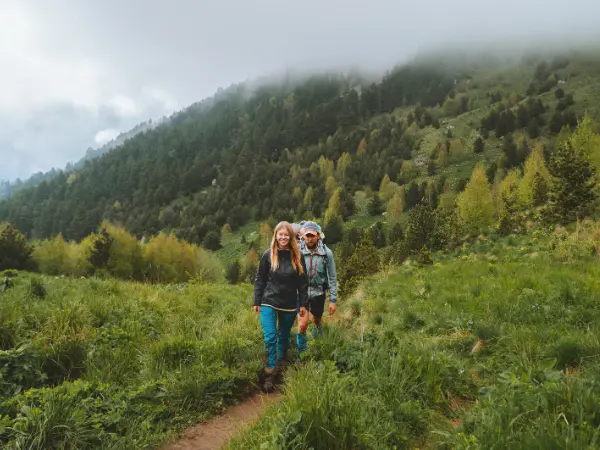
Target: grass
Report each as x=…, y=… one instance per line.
x=111, y=364
x=494, y=346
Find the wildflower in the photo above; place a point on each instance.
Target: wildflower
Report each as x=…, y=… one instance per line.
x=522, y=249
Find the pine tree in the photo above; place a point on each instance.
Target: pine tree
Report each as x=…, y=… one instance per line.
x=539, y=190
x=233, y=272
x=491, y=172
x=419, y=228
x=100, y=251
x=363, y=262
x=446, y=230
x=376, y=234
x=475, y=203
x=533, y=128
x=510, y=152
x=431, y=168
x=395, y=234
x=15, y=252
x=212, y=241
x=479, y=145
x=333, y=227
x=375, y=206
x=573, y=190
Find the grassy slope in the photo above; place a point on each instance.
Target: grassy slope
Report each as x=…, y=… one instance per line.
x=123, y=365
x=120, y=365
x=495, y=346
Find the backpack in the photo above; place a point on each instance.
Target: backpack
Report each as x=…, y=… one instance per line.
x=302, y=244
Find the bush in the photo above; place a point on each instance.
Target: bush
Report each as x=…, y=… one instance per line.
x=37, y=288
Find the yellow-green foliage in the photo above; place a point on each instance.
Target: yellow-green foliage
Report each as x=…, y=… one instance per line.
x=535, y=166
x=395, y=207
x=169, y=259
x=330, y=185
x=325, y=167
x=409, y=170
x=308, y=198
x=163, y=259
x=57, y=257
x=475, y=203
x=125, y=260
x=507, y=197
x=583, y=243
x=387, y=188
x=342, y=166
x=226, y=234
x=587, y=139
x=335, y=204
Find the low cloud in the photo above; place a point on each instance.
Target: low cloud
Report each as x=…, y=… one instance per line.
x=104, y=136
x=121, y=62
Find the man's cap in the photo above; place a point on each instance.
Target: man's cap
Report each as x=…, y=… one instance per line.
x=311, y=227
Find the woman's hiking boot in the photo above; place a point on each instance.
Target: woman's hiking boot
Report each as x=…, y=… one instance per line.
x=269, y=380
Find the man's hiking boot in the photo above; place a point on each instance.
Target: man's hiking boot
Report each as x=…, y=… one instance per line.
x=282, y=364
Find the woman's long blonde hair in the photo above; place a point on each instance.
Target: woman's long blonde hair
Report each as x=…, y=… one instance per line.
x=293, y=245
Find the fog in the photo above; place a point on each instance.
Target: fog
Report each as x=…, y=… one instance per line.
x=74, y=74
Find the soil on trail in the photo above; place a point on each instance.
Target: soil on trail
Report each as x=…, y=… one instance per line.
x=215, y=433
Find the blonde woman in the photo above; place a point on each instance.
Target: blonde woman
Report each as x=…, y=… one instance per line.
x=280, y=283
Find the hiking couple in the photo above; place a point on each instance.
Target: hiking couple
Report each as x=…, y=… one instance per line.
x=292, y=279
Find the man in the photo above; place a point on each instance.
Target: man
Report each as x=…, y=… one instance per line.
x=321, y=279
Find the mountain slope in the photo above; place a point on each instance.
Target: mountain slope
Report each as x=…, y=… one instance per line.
x=249, y=155
x=8, y=188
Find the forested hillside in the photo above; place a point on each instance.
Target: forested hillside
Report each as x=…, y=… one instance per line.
x=8, y=188
x=284, y=150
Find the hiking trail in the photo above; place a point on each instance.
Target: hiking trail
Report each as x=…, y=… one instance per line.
x=215, y=433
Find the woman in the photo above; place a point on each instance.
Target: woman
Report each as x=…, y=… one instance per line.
x=280, y=282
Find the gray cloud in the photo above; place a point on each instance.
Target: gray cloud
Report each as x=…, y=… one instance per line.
x=78, y=68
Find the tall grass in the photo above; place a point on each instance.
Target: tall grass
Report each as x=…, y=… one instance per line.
x=472, y=352
x=110, y=364
x=493, y=346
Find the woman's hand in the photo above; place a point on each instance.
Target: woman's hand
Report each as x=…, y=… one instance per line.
x=302, y=311
x=256, y=309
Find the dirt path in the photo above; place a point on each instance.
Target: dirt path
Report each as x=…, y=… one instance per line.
x=215, y=433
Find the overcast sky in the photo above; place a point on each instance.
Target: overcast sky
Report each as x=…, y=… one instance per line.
x=74, y=73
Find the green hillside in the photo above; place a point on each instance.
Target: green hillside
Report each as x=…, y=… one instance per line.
x=492, y=345
x=246, y=156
